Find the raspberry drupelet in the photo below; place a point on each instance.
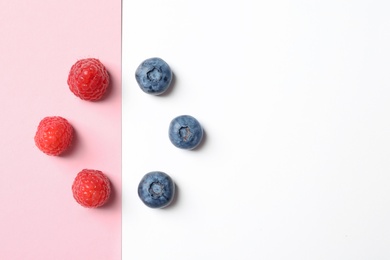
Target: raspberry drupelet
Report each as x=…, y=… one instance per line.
x=54, y=135
x=88, y=79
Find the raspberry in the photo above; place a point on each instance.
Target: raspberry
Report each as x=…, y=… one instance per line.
x=91, y=188
x=88, y=79
x=54, y=135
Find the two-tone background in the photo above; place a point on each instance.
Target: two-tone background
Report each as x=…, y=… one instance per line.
x=293, y=96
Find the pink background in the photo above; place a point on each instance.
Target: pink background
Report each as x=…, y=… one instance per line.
x=40, y=40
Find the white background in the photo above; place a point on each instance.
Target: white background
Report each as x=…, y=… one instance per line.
x=294, y=100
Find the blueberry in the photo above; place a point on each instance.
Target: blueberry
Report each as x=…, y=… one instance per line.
x=154, y=76
x=156, y=189
x=185, y=132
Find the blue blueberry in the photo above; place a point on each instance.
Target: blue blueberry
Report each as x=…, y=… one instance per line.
x=185, y=132
x=154, y=76
x=156, y=189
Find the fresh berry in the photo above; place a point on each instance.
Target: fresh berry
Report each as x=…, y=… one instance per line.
x=54, y=135
x=153, y=76
x=88, y=79
x=91, y=188
x=156, y=189
x=185, y=132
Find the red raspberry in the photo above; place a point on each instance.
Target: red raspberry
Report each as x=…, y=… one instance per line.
x=54, y=135
x=91, y=188
x=88, y=79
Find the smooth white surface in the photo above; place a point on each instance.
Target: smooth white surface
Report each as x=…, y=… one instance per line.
x=294, y=99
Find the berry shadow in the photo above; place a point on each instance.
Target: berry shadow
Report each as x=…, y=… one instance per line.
x=171, y=87
x=111, y=200
x=73, y=147
x=202, y=143
x=175, y=199
x=109, y=90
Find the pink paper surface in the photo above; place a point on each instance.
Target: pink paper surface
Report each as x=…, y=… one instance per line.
x=40, y=40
